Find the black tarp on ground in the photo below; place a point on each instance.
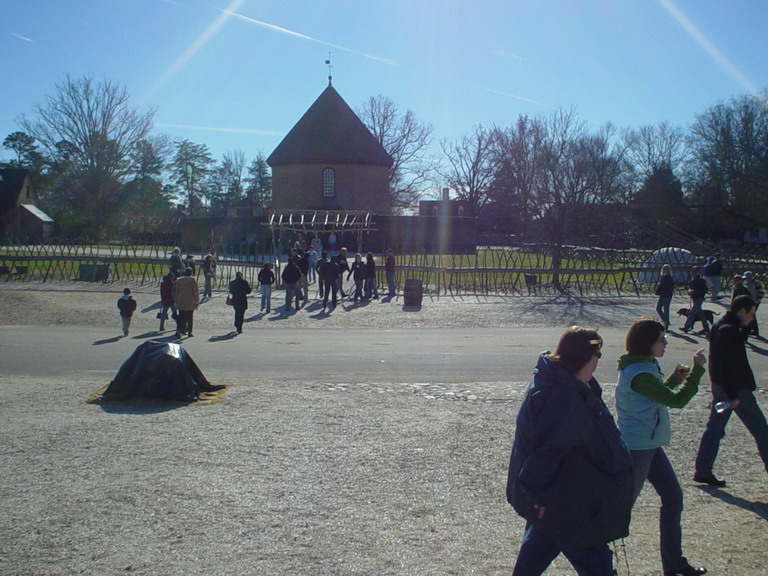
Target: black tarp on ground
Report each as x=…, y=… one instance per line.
x=158, y=370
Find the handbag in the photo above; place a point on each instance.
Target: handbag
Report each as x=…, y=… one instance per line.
x=228, y=301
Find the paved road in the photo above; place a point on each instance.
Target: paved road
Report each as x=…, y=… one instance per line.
x=334, y=356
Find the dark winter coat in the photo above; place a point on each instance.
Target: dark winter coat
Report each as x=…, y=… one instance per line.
x=728, y=363
x=166, y=291
x=291, y=274
x=697, y=288
x=266, y=277
x=358, y=271
x=666, y=286
x=328, y=270
x=127, y=306
x=570, y=474
x=239, y=289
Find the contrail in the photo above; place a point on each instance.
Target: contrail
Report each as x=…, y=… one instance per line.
x=222, y=129
x=199, y=42
x=20, y=37
x=515, y=96
x=708, y=47
x=282, y=30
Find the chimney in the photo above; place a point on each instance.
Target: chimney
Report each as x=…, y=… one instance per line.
x=446, y=197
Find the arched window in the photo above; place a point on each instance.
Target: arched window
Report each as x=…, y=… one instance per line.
x=329, y=183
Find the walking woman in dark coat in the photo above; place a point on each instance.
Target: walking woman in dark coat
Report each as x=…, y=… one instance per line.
x=665, y=289
x=570, y=474
x=239, y=290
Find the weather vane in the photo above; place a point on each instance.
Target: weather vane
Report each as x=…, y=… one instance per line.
x=330, y=67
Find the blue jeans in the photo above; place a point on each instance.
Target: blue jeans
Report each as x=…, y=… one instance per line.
x=654, y=466
x=370, y=288
x=390, y=274
x=696, y=313
x=266, y=296
x=292, y=292
x=748, y=412
x=662, y=309
x=539, y=550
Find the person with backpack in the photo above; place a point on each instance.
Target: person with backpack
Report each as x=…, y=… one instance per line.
x=127, y=306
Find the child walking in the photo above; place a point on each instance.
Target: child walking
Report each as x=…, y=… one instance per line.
x=127, y=306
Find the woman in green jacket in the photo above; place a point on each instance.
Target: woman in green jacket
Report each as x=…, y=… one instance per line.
x=642, y=398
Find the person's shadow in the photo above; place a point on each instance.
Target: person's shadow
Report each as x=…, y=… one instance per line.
x=108, y=340
x=151, y=334
x=759, y=508
x=224, y=337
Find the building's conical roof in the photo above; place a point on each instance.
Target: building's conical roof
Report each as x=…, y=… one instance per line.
x=329, y=133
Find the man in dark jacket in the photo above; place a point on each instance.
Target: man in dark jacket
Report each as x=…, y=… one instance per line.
x=302, y=261
x=343, y=265
x=570, y=474
x=733, y=383
x=328, y=272
x=239, y=289
x=697, y=290
x=291, y=276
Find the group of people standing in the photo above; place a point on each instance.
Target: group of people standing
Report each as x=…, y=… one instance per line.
x=301, y=269
x=575, y=473
x=329, y=271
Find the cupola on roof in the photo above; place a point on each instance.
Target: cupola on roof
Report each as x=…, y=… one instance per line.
x=330, y=133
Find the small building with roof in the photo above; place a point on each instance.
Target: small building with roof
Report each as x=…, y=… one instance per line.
x=21, y=218
x=330, y=161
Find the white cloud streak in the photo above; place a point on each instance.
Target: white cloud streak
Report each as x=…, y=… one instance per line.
x=281, y=30
x=195, y=47
x=20, y=37
x=708, y=47
x=221, y=129
x=515, y=96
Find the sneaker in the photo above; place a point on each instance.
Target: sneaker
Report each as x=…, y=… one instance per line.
x=687, y=571
x=708, y=479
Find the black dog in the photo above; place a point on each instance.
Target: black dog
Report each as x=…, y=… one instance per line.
x=708, y=314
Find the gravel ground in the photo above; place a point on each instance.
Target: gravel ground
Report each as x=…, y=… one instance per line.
x=339, y=478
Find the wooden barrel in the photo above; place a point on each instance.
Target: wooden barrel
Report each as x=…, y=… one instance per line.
x=413, y=292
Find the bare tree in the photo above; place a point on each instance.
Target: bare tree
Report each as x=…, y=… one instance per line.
x=407, y=140
x=99, y=130
x=517, y=149
x=729, y=144
x=653, y=148
x=472, y=164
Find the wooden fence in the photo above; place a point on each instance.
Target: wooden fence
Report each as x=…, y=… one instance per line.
x=490, y=271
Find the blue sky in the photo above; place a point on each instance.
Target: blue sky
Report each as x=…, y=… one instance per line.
x=238, y=74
